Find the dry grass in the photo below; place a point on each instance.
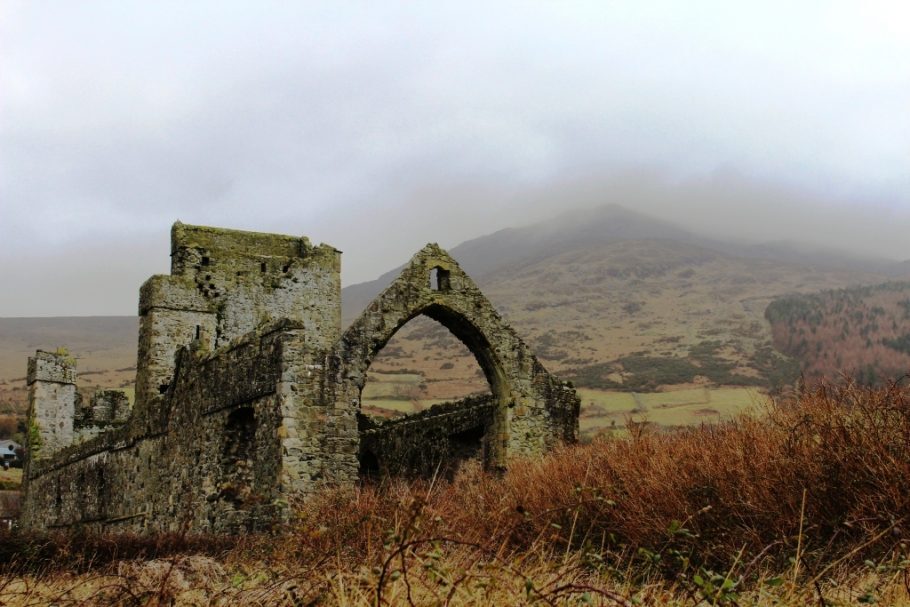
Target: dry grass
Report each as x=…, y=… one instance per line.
x=807, y=504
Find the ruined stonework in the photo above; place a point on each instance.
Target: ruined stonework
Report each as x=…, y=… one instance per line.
x=248, y=393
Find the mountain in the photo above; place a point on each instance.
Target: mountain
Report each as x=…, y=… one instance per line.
x=614, y=299
x=609, y=297
x=816, y=256
x=514, y=248
x=517, y=247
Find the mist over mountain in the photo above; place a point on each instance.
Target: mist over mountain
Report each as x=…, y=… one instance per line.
x=576, y=230
x=608, y=296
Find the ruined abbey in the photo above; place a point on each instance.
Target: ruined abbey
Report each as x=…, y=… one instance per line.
x=248, y=393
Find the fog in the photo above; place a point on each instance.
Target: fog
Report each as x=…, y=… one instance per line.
x=379, y=127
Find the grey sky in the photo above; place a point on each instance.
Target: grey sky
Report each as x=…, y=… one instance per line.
x=377, y=127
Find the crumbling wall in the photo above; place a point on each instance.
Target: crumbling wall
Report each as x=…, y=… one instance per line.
x=52, y=400
x=247, y=393
x=532, y=411
x=188, y=475
x=224, y=284
x=105, y=410
x=430, y=443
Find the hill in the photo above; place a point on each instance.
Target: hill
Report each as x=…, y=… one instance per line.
x=617, y=301
x=863, y=331
x=613, y=299
x=514, y=248
x=105, y=347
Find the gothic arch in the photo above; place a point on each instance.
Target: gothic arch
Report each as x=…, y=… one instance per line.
x=533, y=410
x=367, y=344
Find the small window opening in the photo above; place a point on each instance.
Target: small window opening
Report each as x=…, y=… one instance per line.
x=439, y=279
x=162, y=388
x=198, y=331
x=237, y=456
x=262, y=267
x=205, y=260
x=285, y=268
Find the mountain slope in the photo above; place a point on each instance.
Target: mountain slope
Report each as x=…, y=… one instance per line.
x=514, y=248
x=862, y=331
x=632, y=314
x=607, y=296
x=518, y=247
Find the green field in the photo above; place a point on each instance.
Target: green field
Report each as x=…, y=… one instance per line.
x=601, y=410
x=608, y=411
x=9, y=479
x=401, y=407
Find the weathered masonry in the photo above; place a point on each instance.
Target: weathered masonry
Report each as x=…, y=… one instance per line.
x=248, y=393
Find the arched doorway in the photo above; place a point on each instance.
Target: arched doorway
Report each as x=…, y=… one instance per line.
x=528, y=410
x=422, y=365
x=424, y=414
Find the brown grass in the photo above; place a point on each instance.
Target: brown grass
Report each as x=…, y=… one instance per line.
x=808, y=504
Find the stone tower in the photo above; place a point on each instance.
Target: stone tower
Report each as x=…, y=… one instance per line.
x=248, y=393
x=224, y=284
x=52, y=401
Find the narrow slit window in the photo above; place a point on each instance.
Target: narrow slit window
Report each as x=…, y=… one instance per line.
x=439, y=279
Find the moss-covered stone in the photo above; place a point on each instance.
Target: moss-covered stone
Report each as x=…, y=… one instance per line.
x=248, y=393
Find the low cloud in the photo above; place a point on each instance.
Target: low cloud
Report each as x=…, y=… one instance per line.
x=377, y=129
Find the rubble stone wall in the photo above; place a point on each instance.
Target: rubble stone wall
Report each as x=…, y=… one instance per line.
x=215, y=465
x=431, y=443
x=248, y=393
x=532, y=410
x=51, y=380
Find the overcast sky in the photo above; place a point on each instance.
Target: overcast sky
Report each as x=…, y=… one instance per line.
x=377, y=127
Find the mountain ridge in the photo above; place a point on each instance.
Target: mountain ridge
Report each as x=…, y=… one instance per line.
x=580, y=228
x=592, y=290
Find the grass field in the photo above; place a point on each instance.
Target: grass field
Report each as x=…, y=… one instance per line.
x=607, y=411
x=11, y=476
x=10, y=479
x=602, y=411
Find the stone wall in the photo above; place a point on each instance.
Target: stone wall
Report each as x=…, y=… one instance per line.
x=248, y=394
x=532, y=410
x=431, y=443
x=106, y=409
x=224, y=284
x=214, y=466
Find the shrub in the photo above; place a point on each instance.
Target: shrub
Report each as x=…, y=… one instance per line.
x=816, y=487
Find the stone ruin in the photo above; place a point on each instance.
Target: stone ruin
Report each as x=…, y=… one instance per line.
x=247, y=393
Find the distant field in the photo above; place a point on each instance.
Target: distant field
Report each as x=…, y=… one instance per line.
x=602, y=411
x=606, y=411
x=13, y=476
x=421, y=366
x=104, y=347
